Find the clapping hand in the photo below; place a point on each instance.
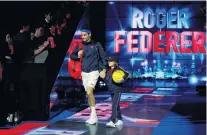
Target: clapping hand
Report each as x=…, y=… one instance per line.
x=46, y=43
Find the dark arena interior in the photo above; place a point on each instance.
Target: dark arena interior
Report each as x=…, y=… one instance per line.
x=127, y=67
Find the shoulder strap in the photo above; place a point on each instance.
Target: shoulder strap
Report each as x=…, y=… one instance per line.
x=122, y=68
x=80, y=45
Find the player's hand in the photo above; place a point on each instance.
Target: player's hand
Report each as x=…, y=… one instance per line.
x=80, y=53
x=102, y=74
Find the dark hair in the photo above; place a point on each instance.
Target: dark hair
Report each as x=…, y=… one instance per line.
x=52, y=24
x=38, y=25
x=25, y=23
x=10, y=33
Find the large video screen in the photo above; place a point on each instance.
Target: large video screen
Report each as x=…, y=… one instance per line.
x=158, y=40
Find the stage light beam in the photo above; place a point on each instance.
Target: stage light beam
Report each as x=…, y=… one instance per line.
x=193, y=80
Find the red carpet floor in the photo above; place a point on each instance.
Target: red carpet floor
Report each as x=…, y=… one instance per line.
x=22, y=129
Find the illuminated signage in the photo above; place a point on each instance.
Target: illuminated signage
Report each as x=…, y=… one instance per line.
x=184, y=42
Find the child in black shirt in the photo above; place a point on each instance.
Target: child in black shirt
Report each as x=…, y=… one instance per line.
x=115, y=89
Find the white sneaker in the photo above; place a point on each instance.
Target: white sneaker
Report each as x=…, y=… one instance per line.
x=88, y=120
x=110, y=124
x=119, y=122
x=92, y=116
x=93, y=119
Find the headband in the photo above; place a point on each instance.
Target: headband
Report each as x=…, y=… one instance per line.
x=85, y=30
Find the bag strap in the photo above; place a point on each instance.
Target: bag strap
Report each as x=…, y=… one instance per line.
x=124, y=71
x=80, y=48
x=80, y=45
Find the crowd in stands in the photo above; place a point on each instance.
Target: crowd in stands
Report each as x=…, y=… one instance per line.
x=45, y=43
x=27, y=45
x=40, y=41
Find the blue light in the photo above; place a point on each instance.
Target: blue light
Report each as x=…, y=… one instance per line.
x=132, y=61
x=123, y=30
x=193, y=80
x=203, y=79
x=193, y=57
x=111, y=2
x=160, y=75
x=160, y=37
x=145, y=62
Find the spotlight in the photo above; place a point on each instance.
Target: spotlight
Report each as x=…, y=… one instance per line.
x=203, y=79
x=142, y=64
x=193, y=80
x=145, y=62
x=111, y=2
x=132, y=61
